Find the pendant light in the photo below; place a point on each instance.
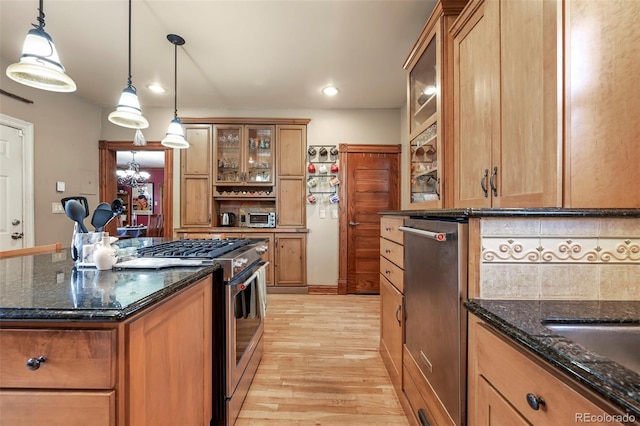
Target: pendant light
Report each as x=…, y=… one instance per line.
x=175, y=133
x=39, y=64
x=128, y=112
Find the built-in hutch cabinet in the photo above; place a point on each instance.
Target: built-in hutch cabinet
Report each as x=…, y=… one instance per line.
x=241, y=165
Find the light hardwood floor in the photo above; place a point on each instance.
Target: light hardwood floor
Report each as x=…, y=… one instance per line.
x=321, y=365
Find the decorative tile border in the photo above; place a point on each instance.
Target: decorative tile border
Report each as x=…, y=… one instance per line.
x=563, y=250
x=586, y=259
x=582, y=241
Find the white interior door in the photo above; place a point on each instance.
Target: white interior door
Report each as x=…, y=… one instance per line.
x=16, y=183
x=11, y=212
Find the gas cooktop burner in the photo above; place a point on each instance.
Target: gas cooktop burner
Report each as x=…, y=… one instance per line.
x=207, y=249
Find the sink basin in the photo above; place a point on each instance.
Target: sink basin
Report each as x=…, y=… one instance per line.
x=618, y=342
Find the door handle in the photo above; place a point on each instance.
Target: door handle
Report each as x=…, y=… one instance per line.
x=492, y=181
x=17, y=235
x=352, y=223
x=438, y=236
x=483, y=183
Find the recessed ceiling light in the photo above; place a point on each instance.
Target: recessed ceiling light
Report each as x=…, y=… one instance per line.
x=330, y=91
x=156, y=88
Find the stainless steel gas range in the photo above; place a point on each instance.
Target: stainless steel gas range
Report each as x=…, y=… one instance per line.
x=234, y=254
x=238, y=310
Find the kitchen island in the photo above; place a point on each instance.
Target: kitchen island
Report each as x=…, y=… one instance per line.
x=117, y=347
x=523, y=322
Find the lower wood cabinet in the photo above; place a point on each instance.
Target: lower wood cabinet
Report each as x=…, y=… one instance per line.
x=503, y=378
x=290, y=258
x=286, y=254
x=64, y=408
x=169, y=362
x=392, y=330
x=152, y=369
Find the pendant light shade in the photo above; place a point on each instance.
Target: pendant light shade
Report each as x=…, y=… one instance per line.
x=175, y=133
x=39, y=64
x=128, y=112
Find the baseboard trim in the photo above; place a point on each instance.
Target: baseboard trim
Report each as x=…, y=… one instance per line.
x=322, y=289
x=287, y=290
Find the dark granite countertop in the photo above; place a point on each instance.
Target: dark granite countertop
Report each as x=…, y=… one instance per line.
x=521, y=320
x=48, y=287
x=512, y=212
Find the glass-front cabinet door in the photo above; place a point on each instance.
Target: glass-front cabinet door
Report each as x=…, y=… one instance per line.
x=228, y=154
x=244, y=155
x=425, y=179
x=423, y=87
x=424, y=93
x=259, y=155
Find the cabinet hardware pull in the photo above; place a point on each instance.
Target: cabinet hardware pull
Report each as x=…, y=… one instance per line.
x=397, y=312
x=423, y=418
x=387, y=228
x=352, y=223
x=387, y=251
x=492, y=181
x=535, y=401
x=438, y=236
x=386, y=271
x=34, y=363
x=483, y=183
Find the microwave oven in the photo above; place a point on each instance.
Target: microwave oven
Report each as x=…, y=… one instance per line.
x=261, y=220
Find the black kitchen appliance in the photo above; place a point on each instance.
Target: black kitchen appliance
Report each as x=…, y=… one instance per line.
x=238, y=312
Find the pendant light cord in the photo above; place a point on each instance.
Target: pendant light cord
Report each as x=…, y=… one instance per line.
x=40, y=16
x=129, y=79
x=175, y=81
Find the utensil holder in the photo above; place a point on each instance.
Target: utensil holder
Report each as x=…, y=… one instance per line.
x=84, y=245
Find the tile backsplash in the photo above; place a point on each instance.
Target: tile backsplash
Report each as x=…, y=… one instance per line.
x=560, y=258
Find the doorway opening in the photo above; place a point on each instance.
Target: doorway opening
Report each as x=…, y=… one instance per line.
x=161, y=196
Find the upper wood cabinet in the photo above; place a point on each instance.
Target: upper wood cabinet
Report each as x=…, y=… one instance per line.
x=243, y=164
x=291, y=184
x=195, y=179
x=507, y=96
x=243, y=155
x=430, y=108
x=602, y=104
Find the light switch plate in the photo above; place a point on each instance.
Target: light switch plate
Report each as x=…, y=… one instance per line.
x=60, y=186
x=57, y=208
x=334, y=214
x=323, y=214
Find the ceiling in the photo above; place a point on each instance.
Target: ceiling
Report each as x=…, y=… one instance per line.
x=239, y=54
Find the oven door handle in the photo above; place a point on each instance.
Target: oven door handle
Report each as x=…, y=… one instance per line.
x=248, y=280
x=438, y=236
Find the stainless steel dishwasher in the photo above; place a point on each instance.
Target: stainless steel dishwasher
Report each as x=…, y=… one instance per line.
x=436, y=254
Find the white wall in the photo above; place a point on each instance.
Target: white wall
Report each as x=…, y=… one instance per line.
x=67, y=131
x=66, y=134
x=327, y=127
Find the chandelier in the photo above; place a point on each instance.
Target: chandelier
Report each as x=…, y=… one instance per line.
x=132, y=177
